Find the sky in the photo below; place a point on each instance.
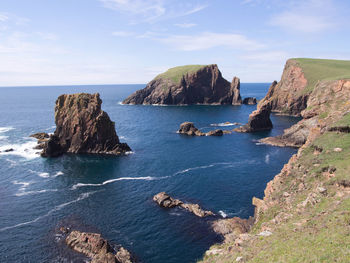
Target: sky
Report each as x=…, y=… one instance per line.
x=77, y=42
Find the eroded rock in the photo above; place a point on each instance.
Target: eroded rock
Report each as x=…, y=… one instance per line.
x=165, y=200
x=83, y=127
x=189, y=129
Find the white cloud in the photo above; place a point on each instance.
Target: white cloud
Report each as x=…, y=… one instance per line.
x=185, y=25
x=123, y=33
x=153, y=10
x=209, y=40
x=310, y=16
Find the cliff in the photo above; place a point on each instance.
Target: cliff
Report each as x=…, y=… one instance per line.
x=304, y=215
x=83, y=127
x=192, y=84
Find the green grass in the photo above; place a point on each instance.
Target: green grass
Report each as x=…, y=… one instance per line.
x=323, y=69
x=175, y=74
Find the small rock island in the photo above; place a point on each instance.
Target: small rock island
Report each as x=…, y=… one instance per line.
x=82, y=127
x=191, y=84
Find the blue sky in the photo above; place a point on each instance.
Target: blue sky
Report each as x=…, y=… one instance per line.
x=56, y=42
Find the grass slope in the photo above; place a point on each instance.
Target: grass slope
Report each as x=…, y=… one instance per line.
x=175, y=74
x=323, y=69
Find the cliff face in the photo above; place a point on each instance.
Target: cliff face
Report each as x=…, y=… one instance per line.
x=304, y=215
x=188, y=85
x=82, y=127
x=289, y=95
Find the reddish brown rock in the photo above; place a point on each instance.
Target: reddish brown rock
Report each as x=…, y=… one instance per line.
x=82, y=127
x=188, y=128
x=97, y=248
x=250, y=101
x=165, y=200
x=202, y=86
x=288, y=96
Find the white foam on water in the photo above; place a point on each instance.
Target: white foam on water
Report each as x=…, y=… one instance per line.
x=6, y=129
x=44, y=175
x=25, y=150
x=56, y=208
x=194, y=168
x=58, y=174
x=223, y=124
x=147, y=178
x=129, y=152
x=24, y=185
x=267, y=158
x=3, y=137
x=12, y=163
x=22, y=193
x=223, y=214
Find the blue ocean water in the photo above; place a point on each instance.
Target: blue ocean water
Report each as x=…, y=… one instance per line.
x=113, y=195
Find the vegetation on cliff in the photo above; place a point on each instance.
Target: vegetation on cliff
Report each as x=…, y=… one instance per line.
x=305, y=213
x=175, y=74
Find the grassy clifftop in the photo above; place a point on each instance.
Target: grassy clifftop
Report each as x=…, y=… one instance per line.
x=323, y=69
x=175, y=74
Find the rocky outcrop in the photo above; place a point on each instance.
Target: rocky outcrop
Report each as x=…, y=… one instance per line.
x=259, y=120
x=236, y=91
x=83, y=127
x=188, y=85
x=42, y=138
x=188, y=128
x=97, y=248
x=231, y=228
x=289, y=96
x=250, y=101
x=165, y=200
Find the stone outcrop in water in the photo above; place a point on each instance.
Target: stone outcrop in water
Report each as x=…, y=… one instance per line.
x=188, y=128
x=165, y=200
x=83, y=127
x=259, y=120
x=97, y=248
x=42, y=138
x=193, y=84
x=250, y=101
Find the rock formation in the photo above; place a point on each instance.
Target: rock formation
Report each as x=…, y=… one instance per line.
x=289, y=96
x=97, y=248
x=82, y=127
x=189, y=129
x=42, y=138
x=259, y=120
x=249, y=101
x=165, y=200
x=193, y=84
x=311, y=192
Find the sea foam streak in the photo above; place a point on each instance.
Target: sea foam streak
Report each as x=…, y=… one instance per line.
x=223, y=124
x=22, y=193
x=223, y=214
x=25, y=150
x=56, y=208
x=5, y=129
x=147, y=178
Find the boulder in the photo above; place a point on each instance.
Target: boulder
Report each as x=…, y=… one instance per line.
x=250, y=101
x=189, y=129
x=97, y=248
x=83, y=127
x=165, y=200
x=40, y=135
x=185, y=85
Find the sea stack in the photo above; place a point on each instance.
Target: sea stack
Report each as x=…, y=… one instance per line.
x=191, y=84
x=259, y=120
x=83, y=127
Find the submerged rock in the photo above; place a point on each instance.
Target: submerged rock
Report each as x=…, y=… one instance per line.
x=97, y=248
x=189, y=129
x=191, y=84
x=165, y=200
x=250, y=101
x=83, y=127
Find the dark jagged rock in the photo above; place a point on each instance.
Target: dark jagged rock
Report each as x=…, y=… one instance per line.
x=40, y=135
x=165, y=200
x=250, y=101
x=259, y=120
x=82, y=127
x=193, y=84
x=8, y=150
x=97, y=248
x=189, y=129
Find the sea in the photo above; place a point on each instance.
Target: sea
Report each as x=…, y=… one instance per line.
x=113, y=195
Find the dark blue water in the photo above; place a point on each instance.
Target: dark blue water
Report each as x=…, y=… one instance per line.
x=113, y=195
